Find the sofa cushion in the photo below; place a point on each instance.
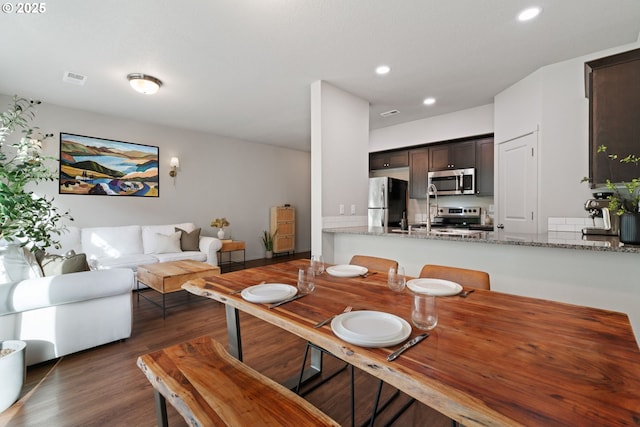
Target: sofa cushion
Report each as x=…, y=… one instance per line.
x=149, y=232
x=63, y=264
x=189, y=241
x=179, y=256
x=166, y=243
x=112, y=242
x=69, y=239
x=130, y=261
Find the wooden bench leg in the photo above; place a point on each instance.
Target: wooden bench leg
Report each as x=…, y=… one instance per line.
x=161, y=409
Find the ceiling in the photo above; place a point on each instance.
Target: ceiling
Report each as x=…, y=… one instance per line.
x=243, y=68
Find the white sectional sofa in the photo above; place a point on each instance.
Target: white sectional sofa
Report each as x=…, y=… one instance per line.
x=62, y=314
x=133, y=245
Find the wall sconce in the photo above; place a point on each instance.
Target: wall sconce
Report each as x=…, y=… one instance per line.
x=175, y=164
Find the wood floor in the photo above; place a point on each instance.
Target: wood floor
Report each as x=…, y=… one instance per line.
x=103, y=386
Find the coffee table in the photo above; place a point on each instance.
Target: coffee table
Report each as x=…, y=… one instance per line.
x=167, y=277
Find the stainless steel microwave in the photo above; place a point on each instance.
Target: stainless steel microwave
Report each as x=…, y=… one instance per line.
x=454, y=181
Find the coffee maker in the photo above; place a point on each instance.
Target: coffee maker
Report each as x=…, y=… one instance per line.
x=604, y=224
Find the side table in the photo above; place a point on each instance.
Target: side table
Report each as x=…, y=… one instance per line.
x=228, y=247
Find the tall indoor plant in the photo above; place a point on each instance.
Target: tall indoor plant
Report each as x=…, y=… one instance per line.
x=26, y=219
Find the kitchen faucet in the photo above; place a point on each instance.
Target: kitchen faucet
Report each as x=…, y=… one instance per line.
x=431, y=189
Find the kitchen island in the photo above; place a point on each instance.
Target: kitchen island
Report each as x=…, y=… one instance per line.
x=599, y=272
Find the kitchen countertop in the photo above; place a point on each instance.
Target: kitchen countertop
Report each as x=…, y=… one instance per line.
x=552, y=239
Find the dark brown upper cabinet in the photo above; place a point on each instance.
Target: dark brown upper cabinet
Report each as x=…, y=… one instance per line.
x=612, y=85
x=388, y=159
x=418, y=169
x=484, y=167
x=457, y=155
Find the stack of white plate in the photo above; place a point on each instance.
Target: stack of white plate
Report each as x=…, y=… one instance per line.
x=435, y=287
x=371, y=328
x=347, y=270
x=268, y=292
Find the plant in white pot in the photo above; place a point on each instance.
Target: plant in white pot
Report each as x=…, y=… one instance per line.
x=267, y=241
x=27, y=221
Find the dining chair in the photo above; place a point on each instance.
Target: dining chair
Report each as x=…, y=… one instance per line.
x=373, y=264
x=465, y=277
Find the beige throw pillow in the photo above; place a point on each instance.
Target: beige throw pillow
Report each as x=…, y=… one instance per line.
x=189, y=241
x=167, y=243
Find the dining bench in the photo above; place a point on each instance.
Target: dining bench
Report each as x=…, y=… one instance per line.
x=209, y=387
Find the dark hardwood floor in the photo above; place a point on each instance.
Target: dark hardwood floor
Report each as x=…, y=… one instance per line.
x=103, y=386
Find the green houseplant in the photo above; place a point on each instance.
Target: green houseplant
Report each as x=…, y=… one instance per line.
x=267, y=241
x=26, y=218
x=625, y=199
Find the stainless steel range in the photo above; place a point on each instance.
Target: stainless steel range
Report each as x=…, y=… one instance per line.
x=460, y=217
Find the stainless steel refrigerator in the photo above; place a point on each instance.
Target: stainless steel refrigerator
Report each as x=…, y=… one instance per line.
x=387, y=201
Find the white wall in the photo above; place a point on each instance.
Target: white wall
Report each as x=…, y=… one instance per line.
x=340, y=136
x=218, y=177
x=553, y=98
x=470, y=122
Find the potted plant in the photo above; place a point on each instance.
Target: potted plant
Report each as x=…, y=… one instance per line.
x=220, y=223
x=625, y=200
x=26, y=218
x=26, y=221
x=267, y=241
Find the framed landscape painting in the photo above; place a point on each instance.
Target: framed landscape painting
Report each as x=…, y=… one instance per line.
x=105, y=167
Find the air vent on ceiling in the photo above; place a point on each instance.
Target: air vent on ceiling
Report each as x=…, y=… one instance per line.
x=74, y=78
x=390, y=113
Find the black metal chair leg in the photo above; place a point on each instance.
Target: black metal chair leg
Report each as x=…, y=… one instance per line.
x=375, y=405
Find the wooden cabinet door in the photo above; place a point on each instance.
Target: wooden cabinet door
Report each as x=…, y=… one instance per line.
x=389, y=159
x=418, y=168
x=484, y=167
x=399, y=159
x=462, y=155
x=377, y=161
x=439, y=158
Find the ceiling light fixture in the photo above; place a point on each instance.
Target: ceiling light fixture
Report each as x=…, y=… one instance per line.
x=383, y=69
x=529, y=13
x=144, y=83
x=429, y=101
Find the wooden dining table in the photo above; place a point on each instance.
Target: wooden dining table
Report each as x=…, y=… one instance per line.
x=493, y=359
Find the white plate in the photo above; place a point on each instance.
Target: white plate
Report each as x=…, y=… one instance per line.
x=371, y=328
x=268, y=292
x=437, y=287
x=347, y=270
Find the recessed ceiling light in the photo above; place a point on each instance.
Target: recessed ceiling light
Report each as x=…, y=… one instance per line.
x=529, y=13
x=383, y=69
x=429, y=101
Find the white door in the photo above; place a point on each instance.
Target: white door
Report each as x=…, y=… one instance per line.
x=518, y=184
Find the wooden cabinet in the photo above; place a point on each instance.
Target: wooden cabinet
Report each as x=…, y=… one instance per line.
x=388, y=159
x=613, y=88
x=484, y=167
x=418, y=168
x=283, y=219
x=456, y=155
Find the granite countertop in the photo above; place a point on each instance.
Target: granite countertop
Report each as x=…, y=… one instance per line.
x=552, y=239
